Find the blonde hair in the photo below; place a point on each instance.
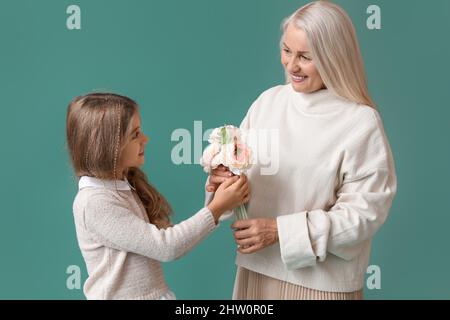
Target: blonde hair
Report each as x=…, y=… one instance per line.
x=98, y=126
x=334, y=48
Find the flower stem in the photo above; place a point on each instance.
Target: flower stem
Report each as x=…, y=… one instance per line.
x=240, y=213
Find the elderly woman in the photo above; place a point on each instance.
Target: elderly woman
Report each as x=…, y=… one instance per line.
x=311, y=223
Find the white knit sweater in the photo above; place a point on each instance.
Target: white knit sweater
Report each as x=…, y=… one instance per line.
x=122, y=250
x=332, y=191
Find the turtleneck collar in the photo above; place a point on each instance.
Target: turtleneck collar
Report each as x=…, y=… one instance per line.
x=318, y=102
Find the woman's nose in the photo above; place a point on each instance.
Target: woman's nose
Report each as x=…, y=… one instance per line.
x=292, y=65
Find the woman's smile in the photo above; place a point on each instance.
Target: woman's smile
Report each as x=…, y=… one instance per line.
x=298, y=78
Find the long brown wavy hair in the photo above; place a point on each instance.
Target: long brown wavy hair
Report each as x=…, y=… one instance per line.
x=97, y=129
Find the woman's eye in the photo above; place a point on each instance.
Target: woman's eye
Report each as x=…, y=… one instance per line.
x=305, y=58
x=286, y=50
x=136, y=134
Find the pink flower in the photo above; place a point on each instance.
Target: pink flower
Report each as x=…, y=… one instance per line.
x=228, y=149
x=243, y=156
x=209, y=154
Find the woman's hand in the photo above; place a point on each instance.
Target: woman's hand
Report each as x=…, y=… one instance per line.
x=217, y=176
x=233, y=192
x=255, y=234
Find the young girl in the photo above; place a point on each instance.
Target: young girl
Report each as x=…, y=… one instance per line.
x=122, y=222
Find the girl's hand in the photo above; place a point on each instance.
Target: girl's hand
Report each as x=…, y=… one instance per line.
x=217, y=176
x=255, y=234
x=231, y=193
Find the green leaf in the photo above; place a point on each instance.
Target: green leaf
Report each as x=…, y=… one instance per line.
x=224, y=136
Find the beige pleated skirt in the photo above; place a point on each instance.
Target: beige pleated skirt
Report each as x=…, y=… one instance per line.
x=250, y=285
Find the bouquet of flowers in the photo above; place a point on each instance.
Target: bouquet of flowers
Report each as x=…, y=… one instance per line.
x=227, y=147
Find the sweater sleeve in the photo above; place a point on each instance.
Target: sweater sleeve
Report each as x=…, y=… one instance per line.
x=364, y=198
x=111, y=223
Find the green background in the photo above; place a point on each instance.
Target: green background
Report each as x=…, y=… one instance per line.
x=207, y=60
